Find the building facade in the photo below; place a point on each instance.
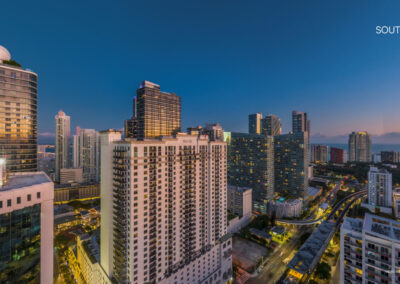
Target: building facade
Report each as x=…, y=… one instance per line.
x=63, y=129
x=379, y=187
x=360, y=147
x=26, y=229
x=18, y=115
x=156, y=113
x=240, y=200
x=169, y=196
x=291, y=165
x=389, y=157
x=338, y=155
x=369, y=250
x=271, y=125
x=300, y=123
x=319, y=153
x=255, y=123
x=86, y=154
x=251, y=164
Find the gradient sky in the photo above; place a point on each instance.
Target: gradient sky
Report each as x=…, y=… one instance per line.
x=226, y=59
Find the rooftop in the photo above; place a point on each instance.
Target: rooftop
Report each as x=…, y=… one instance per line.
x=353, y=224
x=313, y=191
x=19, y=180
x=238, y=188
x=382, y=227
x=304, y=258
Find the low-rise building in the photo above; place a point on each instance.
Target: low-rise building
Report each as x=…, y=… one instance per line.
x=282, y=208
x=71, y=192
x=240, y=200
x=71, y=176
x=396, y=203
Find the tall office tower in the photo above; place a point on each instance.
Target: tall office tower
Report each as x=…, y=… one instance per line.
x=390, y=157
x=300, y=122
x=338, y=155
x=62, y=142
x=320, y=153
x=255, y=123
x=86, y=154
x=26, y=229
x=157, y=113
x=369, y=250
x=251, y=164
x=130, y=128
x=360, y=147
x=214, y=131
x=291, y=165
x=379, y=187
x=18, y=115
x=164, y=203
x=271, y=125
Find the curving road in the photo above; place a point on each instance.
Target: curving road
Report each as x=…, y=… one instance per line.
x=330, y=216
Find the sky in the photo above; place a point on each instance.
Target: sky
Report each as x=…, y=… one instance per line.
x=225, y=59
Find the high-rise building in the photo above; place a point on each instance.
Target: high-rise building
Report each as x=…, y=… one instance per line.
x=271, y=125
x=18, y=115
x=62, y=142
x=255, y=123
x=389, y=157
x=291, y=165
x=164, y=210
x=251, y=164
x=26, y=229
x=156, y=113
x=214, y=131
x=379, y=187
x=130, y=127
x=369, y=250
x=338, y=155
x=360, y=147
x=319, y=153
x=301, y=123
x=86, y=153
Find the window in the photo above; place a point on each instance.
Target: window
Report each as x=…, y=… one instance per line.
x=9, y=203
x=38, y=195
x=1, y=204
x=29, y=197
x=18, y=200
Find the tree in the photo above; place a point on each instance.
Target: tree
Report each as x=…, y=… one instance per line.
x=323, y=270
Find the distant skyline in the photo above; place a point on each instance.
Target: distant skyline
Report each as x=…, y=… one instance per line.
x=225, y=59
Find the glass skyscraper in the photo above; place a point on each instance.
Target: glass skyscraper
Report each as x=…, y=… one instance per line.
x=156, y=113
x=18, y=115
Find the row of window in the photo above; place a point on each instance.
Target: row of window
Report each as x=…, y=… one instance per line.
x=28, y=198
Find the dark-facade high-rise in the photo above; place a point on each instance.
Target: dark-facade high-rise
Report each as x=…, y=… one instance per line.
x=271, y=125
x=156, y=113
x=251, y=164
x=255, y=123
x=18, y=115
x=291, y=165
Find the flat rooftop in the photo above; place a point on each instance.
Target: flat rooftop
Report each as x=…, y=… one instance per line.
x=353, y=224
x=238, y=188
x=20, y=180
x=382, y=227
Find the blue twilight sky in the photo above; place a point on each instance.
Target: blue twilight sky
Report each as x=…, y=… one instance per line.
x=226, y=59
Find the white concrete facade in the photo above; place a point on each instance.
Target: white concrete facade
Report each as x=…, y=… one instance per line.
x=169, y=220
x=240, y=200
x=379, y=187
x=370, y=250
x=23, y=190
x=63, y=129
x=86, y=154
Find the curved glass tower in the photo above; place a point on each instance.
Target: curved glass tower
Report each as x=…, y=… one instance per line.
x=18, y=116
